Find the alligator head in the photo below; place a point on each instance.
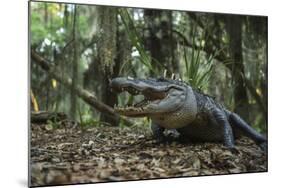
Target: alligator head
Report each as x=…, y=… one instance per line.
x=160, y=96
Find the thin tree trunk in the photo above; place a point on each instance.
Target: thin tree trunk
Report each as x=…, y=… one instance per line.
x=46, y=14
x=65, y=16
x=173, y=46
x=73, y=99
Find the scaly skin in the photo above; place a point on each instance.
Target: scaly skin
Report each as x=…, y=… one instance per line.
x=173, y=104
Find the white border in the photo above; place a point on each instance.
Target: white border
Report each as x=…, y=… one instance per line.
x=13, y=94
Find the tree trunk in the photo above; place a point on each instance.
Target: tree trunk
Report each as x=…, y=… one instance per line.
x=124, y=50
x=234, y=29
x=159, y=39
x=107, y=55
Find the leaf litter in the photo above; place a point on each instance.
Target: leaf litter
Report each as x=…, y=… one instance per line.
x=70, y=154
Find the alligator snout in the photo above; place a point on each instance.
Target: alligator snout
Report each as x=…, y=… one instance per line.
x=116, y=84
x=120, y=84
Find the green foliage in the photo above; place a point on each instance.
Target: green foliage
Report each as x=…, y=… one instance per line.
x=38, y=32
x=52, y=124
x=87, y=120
x=144, y=58
x=260, y=124
x=46, y=24
x=198, y=71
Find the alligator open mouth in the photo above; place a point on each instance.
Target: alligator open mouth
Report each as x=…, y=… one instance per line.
x=139, y=108
x=158, y=97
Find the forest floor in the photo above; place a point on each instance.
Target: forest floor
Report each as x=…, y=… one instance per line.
x=69, y=154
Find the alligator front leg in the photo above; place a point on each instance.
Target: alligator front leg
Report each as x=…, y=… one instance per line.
x=220, y=118
x=238, y=122
x=158, y=132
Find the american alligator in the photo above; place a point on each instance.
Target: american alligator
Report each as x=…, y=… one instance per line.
x=174, y=104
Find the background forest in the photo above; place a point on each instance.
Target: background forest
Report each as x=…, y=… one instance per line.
x=223, y=55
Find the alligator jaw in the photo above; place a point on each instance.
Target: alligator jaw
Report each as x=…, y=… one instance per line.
x=139, y=109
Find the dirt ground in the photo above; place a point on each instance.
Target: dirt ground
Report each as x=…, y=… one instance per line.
x=69, y=154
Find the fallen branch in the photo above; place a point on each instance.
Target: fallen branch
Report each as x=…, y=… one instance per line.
x=82, y=93
x=44, y=117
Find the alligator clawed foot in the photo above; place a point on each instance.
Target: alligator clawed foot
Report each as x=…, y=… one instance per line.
x=233, y=150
